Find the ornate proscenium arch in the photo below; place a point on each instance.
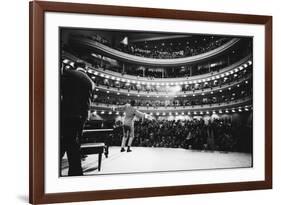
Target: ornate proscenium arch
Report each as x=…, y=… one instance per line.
x=108, y=51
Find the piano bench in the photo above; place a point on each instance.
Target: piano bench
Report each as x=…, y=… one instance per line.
x=93, y=148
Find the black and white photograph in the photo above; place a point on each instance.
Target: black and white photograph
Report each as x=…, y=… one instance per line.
x=148, y=101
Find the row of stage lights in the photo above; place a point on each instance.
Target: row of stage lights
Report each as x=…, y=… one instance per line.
x=224, y=111
x=245, y=65
x=184, y=95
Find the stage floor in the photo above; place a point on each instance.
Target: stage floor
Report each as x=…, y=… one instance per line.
x=148, y=159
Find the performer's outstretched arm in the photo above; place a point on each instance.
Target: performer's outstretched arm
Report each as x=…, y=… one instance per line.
x=142, y=115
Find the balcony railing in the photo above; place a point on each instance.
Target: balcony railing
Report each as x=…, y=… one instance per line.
x=108, y=51
x=167, y=93
x=210, y=107
x=126, y=77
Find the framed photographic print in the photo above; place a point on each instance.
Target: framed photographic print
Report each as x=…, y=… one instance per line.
x=139, y=102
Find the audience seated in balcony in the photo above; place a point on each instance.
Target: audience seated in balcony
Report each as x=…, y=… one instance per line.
x=158, y=88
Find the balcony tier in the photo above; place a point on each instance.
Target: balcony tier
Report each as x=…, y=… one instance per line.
x=116, y=54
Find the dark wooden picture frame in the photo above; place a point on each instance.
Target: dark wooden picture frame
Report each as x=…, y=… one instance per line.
x=37, y=10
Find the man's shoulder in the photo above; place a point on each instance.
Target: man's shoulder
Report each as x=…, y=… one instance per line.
x=78, y=75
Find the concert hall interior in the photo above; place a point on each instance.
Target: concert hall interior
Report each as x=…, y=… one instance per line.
x=197, y=90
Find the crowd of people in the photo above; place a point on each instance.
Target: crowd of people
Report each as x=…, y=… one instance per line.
x=162, y=49
x=191, y=101
x=170, y=50
x=157, y=87
x=241, y=92
x=220, y=134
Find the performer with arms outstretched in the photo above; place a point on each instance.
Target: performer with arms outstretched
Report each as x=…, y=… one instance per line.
x=128, y=123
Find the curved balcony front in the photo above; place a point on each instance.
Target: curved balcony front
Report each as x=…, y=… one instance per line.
x=240, y=64
x=197, y=108
x=116, y=54
x=167, y=93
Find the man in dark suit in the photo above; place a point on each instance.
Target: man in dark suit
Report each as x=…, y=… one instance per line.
x=76, y=95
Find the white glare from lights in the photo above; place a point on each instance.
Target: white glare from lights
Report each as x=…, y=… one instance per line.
x=175, y=89
x=66, y=61
x=102, y=112
x=182, y=113
x=188, y=113
x=207, y=113
x=109, y=112
x=246, y=109
x=97, y=89
x=250, y=62
x=117, y=113
x=226, y=111
x=107, y=91
x=233, y=110
x=201, y=113
x=241, y=68
x=118, y=93
x=245, y=65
